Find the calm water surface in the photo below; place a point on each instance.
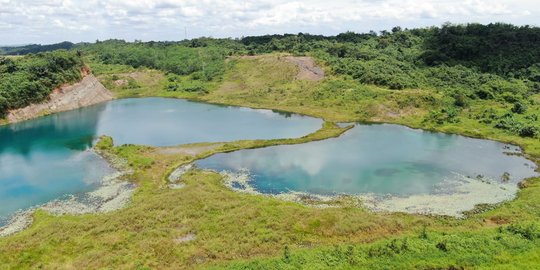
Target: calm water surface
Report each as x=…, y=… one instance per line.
x=46, y=158
x=379, y=159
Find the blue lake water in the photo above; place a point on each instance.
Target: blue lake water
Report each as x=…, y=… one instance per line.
x=374, y=159
x=46, y=158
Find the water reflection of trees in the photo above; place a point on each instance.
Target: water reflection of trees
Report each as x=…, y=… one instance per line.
x=74, y=130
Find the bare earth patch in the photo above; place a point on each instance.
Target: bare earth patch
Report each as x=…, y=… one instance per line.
x=309, y=71
x=186, y=238
x=120, y=82
x=88, y=91
x=307, y=68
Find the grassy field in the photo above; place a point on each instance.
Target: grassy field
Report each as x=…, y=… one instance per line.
x=228, y=226
x=205, y=224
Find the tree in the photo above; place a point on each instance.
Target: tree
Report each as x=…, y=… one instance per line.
x=4, y=106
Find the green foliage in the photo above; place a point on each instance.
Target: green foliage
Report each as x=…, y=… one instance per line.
x=511, y=247
x=204, y=62
x=105, y=143
x=528, y=127
x=177, y=83
x=530, y=231
x=31, y=79
x=4, y=105
x=286, y=254
x=442, y=116
x=519, y=108
x=35, y=48
x=132, y=153
x=499, y=48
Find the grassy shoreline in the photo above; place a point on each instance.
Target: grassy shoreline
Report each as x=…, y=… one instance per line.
x=234, y=230
x=230, y=226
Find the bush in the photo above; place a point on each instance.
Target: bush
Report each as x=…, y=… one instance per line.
x=3, y=106
x=195, y=88
x=105, y=143
x=519, y=108
x=530, y=231
x=528, y=130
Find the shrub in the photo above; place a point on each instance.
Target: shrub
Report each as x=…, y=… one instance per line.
x=528, y=130
x=519, y=108
x=3, y=106
x=104, y=143
x=530, y=231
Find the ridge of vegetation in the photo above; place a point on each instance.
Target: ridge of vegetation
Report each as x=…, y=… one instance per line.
x=488, y=75
x=34, y=48
x=30, y=79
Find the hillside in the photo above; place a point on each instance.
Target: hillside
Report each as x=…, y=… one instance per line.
x=87, y=92
x=475, y=80
x=30, y=79
x=460, y=86
x=34, y=48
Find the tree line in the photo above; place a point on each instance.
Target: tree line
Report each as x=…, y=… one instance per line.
x=467, y=63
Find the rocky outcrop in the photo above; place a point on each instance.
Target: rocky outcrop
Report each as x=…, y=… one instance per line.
x=88, y=91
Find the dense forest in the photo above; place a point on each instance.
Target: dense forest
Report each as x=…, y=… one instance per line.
x=30, y=79
x=467, y=64
x=184, y=58
x=35, y=48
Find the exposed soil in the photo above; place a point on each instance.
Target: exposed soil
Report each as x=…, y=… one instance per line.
x=186, y=238
x=307, y=68
x=88, y=91
x=309, y=71
x=120, y=82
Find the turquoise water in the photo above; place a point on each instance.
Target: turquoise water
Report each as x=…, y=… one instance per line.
x=48, y=157
x=379, y=159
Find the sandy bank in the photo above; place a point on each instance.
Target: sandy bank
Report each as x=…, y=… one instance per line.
x=88, y=91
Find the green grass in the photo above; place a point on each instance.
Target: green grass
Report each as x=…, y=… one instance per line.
x=231, y=226
x=485, y=249
x=242, y=231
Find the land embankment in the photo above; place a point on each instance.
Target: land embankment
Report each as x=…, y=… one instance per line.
x=88, y=91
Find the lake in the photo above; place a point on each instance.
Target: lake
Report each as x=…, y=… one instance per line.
x=48, y=158
x=381, y=160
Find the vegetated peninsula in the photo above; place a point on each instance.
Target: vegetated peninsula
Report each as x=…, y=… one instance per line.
x=476, y=80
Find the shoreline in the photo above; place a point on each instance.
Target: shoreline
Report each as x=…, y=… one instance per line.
x=113, y=193
x=454, y=199
x=369, y=201
x=346, y=120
